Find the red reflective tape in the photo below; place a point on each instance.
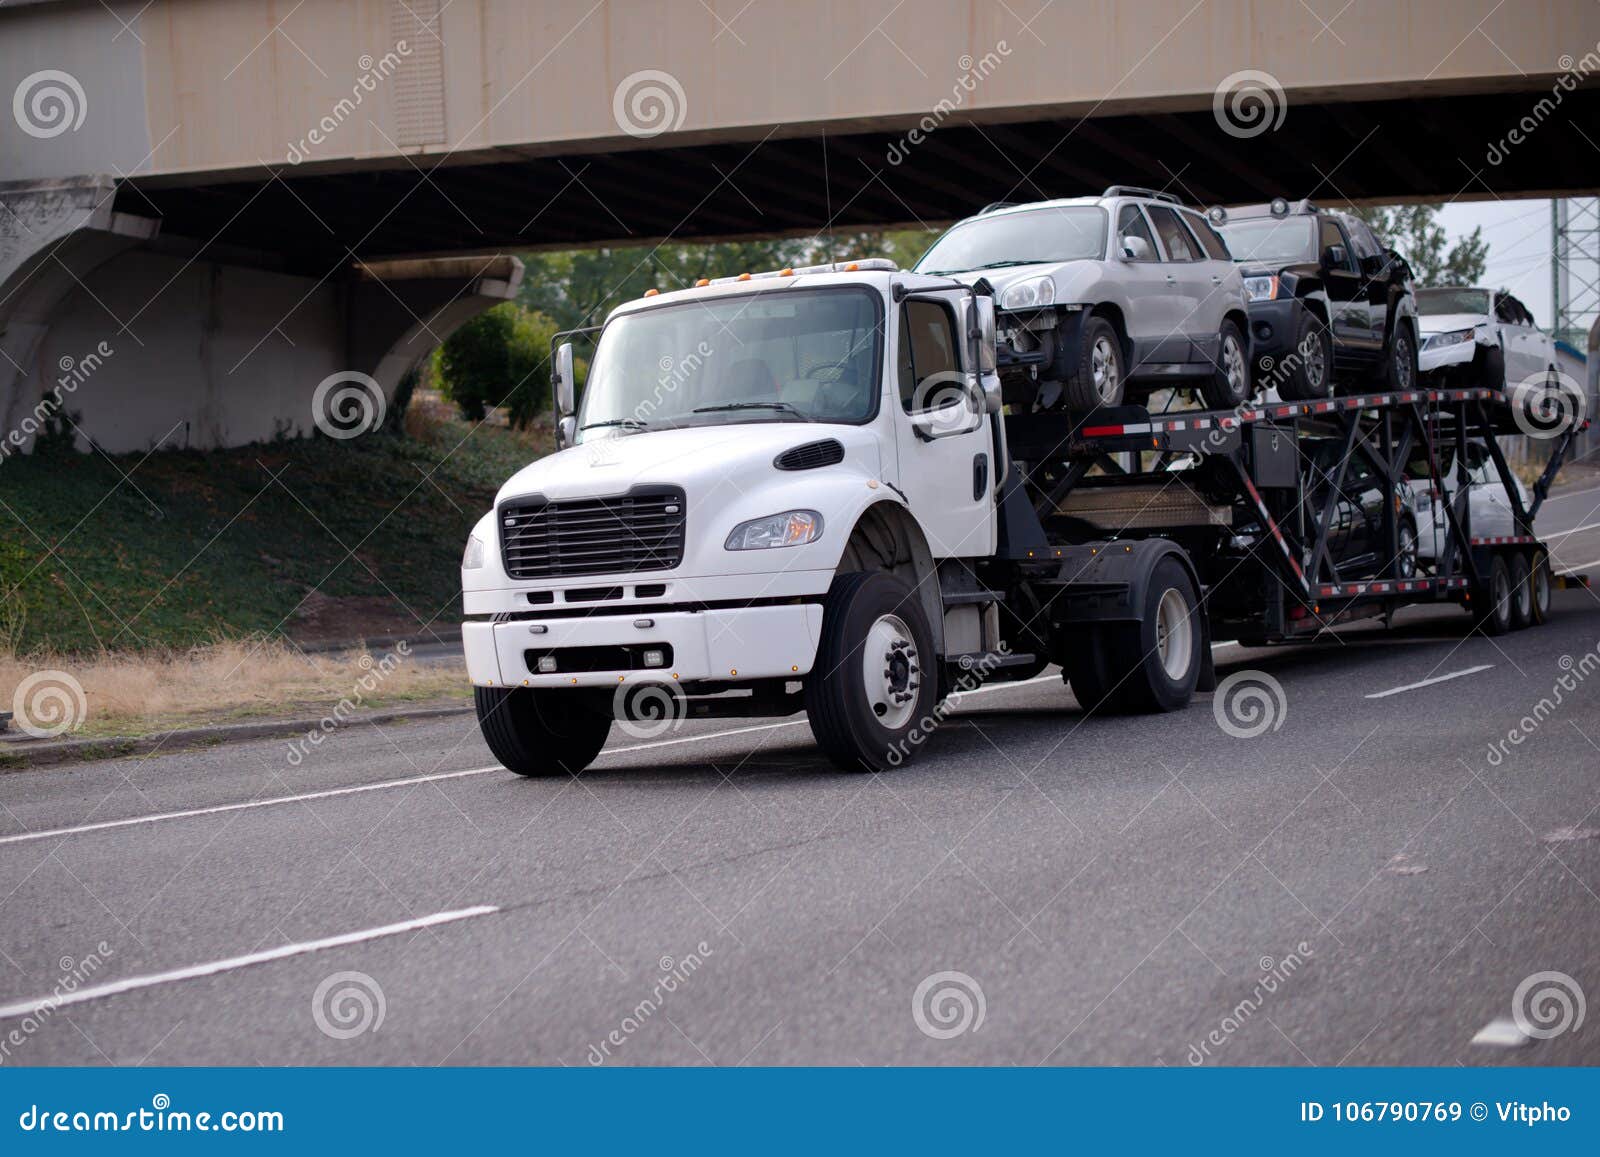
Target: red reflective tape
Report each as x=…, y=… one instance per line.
x=1101, y=431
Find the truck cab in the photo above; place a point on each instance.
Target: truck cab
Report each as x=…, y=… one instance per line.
x=771, y=498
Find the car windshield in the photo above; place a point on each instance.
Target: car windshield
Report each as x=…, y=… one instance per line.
x=1060, y=233
x=1431, y=302
x=1271, y=240
x=774, y=356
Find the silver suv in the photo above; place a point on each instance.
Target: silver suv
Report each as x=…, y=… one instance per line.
x=1103, y=300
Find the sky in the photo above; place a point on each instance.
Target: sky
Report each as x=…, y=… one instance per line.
x=1518, y=233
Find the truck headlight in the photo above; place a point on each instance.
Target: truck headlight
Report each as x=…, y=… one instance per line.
x=1028, y=294
x=1260, y=288
x=791, y=528
x=472, y=558
x=1453, y=337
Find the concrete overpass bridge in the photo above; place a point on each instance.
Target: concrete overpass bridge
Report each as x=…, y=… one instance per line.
x=229, y=192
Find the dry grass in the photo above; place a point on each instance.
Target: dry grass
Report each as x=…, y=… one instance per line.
x=137, y=693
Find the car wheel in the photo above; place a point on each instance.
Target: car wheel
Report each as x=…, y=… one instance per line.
x=1539, y=587
x=1405, y=562
x=1492, y=601
x=1312, y=373
x=1521, y=592
x=874, y=685
x=1229, y=383
x=1400, y=372
x=540, y=732
x=1100, y=377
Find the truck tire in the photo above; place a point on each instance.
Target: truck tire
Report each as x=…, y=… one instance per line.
x=1492, y=601
x=874, y=685
x=1150, y=665
x=1100, y=376
x=540, y=733
x=1521, y=592
x=1229, y=383
x=1539, y=587
x=1312, y=376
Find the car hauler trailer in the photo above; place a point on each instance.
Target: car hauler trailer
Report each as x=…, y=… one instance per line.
x=799, y=491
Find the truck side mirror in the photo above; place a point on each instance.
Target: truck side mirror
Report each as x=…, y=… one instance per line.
x=984, y=332
x=566, y=433
x=561, y=381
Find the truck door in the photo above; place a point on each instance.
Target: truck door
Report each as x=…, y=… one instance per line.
x=942, y=433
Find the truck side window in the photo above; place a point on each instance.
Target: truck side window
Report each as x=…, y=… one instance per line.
x=1131, y=223
x=1176, y=239
x=927, y=348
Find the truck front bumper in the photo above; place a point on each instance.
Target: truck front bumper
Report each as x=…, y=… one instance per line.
x=733, y=645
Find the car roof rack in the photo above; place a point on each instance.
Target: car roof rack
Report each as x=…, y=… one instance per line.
x=1140, y=191
x=995, y=206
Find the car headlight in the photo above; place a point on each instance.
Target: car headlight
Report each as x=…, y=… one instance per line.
x=1453, y=337
x=472, y=558
x=1028, y=294
x=791, y=528
x=1260, y=288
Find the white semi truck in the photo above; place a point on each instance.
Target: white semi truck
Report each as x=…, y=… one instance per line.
x=800, y=491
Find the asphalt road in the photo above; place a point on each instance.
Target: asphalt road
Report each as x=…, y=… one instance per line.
x=1364, y=883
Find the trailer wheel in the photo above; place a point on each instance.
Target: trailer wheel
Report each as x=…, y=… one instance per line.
x=1099, y=376
x=540, y=732
x=1229, y=383
x=1313, y=371
x=1539, y=587
x=1151, y=665
x=1521, y=592
x=874, y=684
x=1492, y=602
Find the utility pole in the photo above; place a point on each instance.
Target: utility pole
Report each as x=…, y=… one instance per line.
x=1574, y=268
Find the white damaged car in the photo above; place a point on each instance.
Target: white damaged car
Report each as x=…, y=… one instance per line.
x=1481, y=337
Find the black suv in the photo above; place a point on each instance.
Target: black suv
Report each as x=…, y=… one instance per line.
x=1329, y=305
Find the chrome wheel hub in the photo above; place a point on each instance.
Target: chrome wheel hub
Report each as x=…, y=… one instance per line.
x=891, y=671
x=1174, y=638
x=1103, y=366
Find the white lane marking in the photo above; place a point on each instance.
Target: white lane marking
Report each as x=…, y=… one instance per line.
x=1576, y=567
x=1430, y=682
x=1502, y=1033
x=211, y=968
x=1574, y=530
x=409, y=781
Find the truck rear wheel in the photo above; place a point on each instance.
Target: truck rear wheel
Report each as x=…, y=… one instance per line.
x=1492, y=601
x=540, y=733
x=1151, y=665
x=1521, y=592
x=873, y=687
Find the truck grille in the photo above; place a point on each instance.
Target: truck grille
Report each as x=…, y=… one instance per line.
x=640, y=530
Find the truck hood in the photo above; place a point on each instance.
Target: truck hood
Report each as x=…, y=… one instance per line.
x=697, y=455
x=1445, y=322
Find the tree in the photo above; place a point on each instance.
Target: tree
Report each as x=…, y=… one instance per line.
x=499, y=358
x=1414, y=231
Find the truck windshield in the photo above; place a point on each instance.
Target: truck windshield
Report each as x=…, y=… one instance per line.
x=1271, y=240
x=1432, y=302
x=1062, y=233
x=773, y=356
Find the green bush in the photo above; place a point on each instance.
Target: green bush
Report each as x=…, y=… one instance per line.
x=501, y=358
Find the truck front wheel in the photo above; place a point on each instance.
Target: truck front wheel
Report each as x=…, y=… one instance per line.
x=540, y=733
x=1151, y=665
x=871, y=692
